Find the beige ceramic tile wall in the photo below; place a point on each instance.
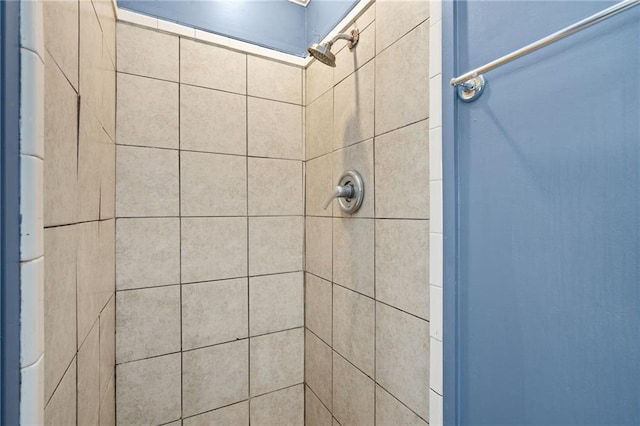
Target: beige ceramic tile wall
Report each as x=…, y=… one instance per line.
x=209, y=234
x=79, y=188
x=367, y=275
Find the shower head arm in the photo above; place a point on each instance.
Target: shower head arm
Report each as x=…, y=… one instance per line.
x=352, y=38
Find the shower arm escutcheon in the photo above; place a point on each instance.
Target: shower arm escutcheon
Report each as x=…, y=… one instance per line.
x=349, y=192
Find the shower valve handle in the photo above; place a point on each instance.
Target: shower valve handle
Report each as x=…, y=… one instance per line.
x=349, y=192
x=346, y=191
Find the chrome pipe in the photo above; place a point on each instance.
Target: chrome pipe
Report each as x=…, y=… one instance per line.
x=559, y=35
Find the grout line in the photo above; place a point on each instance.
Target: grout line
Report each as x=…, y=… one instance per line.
x=180, y=230
x=246, y=133
x=375, y=222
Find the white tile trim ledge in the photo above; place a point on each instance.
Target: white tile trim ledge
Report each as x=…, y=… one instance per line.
x=230, y=43
x=32, y=214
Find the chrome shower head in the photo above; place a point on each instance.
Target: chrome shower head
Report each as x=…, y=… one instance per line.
x=322, y=51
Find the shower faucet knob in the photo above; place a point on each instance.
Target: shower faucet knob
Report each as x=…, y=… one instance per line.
x=349, y=192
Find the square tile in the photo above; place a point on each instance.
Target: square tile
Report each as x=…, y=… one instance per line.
x=60, y=146
x=236, y=415
x=147, y=323
x=318, y=80
x=318, y=247
x=319, y=185
x=147, y=112
x=402, y=78
x=213, y=248
x=108, y=405
x=275, y=129
x=61, y=37
x=318, y=307
x=108, y=90
x=214, y=312
x=354, y=328
x=353, y=107
x=229, y=74
x=402, y=265
x=284, y=407
x=274, y=80
x=107, y=178
x=148, y=391
x=316, y=414
x=147, y=52
x=275, y=244
x=277, y=361
x=146, y=182
x=212, y=184
x=89, y=378
x=355, y=272
x=402, y=156
x=395, y=18
x=61, y=408
x=318, y=367
x=391, y=412
x=147, y=252
x=275, y=187
x=319, y=126
x=276, y=302
x=59, y=304
x=204, y=370
x=359, y=158
x=212, y=121
x=402, y=357
x=353, y=394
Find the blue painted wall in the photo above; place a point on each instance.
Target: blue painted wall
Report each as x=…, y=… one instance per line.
x=542, y=219
x=276, y=24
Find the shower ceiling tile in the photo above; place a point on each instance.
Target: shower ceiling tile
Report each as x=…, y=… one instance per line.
x=274, y=80
x=211, y=66
x=146, y=52
x=147, y=112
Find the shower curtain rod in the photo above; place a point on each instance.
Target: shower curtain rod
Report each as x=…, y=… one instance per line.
x=467, y=80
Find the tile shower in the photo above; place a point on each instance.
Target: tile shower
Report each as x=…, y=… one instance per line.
x=237, y=297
